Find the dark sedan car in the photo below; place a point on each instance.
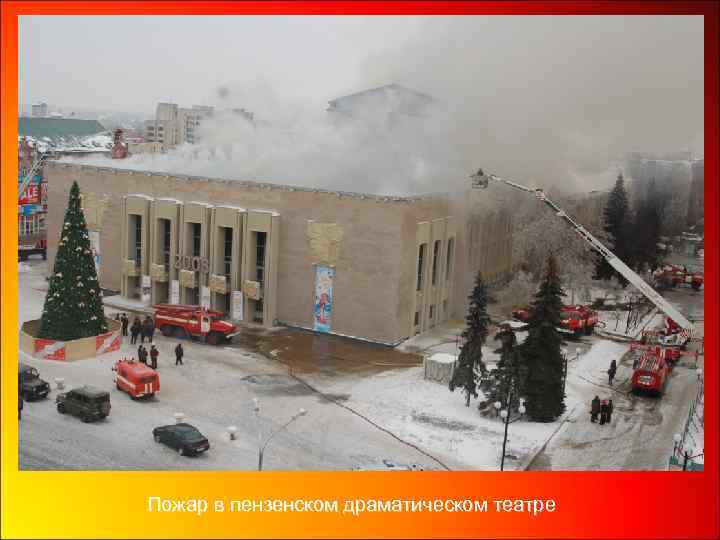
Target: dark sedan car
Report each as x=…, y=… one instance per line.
x=184, y=438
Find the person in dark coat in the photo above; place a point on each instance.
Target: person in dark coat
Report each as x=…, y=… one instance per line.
x=611, y=372
x=124, y=321
x=142, y=354
x=603, y=411
x=148, y=329
x=154, y=353
x=609, y=410
x=179, y=355
x=134, y=331
x=594, y=409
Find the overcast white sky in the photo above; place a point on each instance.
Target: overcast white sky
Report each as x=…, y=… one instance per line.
x=133, y=62
x=545, y=97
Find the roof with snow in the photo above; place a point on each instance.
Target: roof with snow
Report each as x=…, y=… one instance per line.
x=392, y=96
x=65, y=135
x=57, y=128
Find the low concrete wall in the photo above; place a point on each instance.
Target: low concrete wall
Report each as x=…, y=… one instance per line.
x=75, y=349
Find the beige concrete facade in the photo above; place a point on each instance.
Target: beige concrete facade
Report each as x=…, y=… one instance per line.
x=205, y=242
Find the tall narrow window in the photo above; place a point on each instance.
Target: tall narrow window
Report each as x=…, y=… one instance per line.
x=196, y=239
x=260, y=241
x=420, y=266
x=166, y=243
x=449, y=261
x=436, y=256
x=227, y=256
x=138, y=240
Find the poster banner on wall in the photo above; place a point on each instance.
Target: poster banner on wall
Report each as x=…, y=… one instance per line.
x=322, y=317
x=205, y=297
x=145, y=284
x=95, y=247
x=174, y=291
x=237, y=305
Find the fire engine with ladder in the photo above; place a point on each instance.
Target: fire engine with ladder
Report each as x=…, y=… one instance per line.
x=651, y=371
x=481, y=180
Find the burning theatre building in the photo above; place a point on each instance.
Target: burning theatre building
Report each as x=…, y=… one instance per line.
x=368, y=266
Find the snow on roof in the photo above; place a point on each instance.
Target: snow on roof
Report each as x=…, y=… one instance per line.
x=109, y=164
x=443, y=358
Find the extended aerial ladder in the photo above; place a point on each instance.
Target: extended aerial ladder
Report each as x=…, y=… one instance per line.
x=481, y=180
x=30, y=174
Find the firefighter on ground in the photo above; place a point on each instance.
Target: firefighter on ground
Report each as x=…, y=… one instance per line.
x=154, y=353
x=124, y=321
x=134, y=331
x=611, y=372
x=594, y=409
x=603, y=411
x=148, y=329
x=179, y=355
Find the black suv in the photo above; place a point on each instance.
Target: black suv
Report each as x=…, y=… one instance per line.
x=184, y=438
x=86, y=402
x=30, y=385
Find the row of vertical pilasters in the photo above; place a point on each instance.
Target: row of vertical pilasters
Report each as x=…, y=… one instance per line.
x=433, y=281
x=176, y=252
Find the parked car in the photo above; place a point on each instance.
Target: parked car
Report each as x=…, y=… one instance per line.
x=86, y=402
x=30, y=385
x=184, y=438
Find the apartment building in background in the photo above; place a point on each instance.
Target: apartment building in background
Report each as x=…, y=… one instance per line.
x=174, y=125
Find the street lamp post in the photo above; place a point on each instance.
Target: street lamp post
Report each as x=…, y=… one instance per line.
x=263, y=445
x=505, y=415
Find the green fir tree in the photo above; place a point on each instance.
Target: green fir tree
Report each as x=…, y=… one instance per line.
x=470, y=366
x=542, y=355
x=617, y=225
x=504, y=383
x=73, y=305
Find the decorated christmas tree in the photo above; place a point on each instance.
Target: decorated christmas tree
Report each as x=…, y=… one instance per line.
x=73, y=305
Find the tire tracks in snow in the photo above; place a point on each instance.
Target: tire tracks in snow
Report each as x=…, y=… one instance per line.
x=366, y=419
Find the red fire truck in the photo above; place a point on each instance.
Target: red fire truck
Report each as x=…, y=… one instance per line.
x=672, y=275
x=193, y=321
x=576, y=319
x=673, y=345
x=136, y=378
x=651, y=372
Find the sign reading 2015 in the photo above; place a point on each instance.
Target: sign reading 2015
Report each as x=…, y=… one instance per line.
x=195, y=264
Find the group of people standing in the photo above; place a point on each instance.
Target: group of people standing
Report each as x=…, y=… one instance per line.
x=144, y=329
x=143, y=356
x=602, y=408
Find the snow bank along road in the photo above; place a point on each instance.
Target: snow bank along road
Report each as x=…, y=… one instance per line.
x=214, y=389
x=640, y=435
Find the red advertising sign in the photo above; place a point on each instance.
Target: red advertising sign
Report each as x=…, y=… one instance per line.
x=31, y=195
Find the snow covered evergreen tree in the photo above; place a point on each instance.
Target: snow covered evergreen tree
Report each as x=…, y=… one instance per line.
x=504, y=382
x=470, y=366
x=73, y=305
x=617, y=225
x=541, y=352
x=647, y=228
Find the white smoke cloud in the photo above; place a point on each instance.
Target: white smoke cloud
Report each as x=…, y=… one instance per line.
x=543, y=100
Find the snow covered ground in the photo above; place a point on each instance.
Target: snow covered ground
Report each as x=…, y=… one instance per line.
x=214, y=389
x=640, y=436
x=354, y=421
